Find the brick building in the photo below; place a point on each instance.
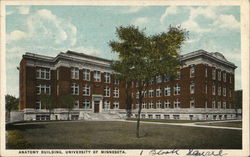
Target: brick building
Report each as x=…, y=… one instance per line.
x=203, y=90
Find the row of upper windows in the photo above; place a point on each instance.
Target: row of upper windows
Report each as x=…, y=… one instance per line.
x=96, y=76
x=177, y=104
x=86, y=104
x=46, y=89
x=86, y=90
x=167, y=91
x=44, y=73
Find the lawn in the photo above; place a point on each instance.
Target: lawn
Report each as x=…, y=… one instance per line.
x=118, y=135
x=237, y=124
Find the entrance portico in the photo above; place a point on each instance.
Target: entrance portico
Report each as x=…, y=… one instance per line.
x=97, y=103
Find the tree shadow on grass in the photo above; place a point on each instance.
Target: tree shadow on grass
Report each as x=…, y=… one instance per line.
x=23, y=127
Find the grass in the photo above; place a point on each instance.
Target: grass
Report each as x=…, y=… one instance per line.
x=237, y=124
x=165, y=120
x=121, y=135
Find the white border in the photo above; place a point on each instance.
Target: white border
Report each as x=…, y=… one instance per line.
x=244, y=4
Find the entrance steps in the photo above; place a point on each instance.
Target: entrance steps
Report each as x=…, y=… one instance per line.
x=103, y=116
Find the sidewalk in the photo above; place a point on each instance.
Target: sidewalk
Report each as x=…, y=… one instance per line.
x=188, y=124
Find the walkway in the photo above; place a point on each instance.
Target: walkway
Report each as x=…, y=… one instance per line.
x=191, y=124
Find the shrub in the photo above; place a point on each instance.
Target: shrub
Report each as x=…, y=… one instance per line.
x=16, y=140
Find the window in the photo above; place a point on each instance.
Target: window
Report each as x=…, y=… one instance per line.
x=166, y=117
x=219, y=104
x=143, y=116
x=38, y=105
x=150, y=116
x=144, y=105
x=137, y=95
x=167, y=91
x=219, y=90
x=158, y=116
x=86, y=74
x=75, y=89
x=219, y=75
x=192, y=71
x=224, y=91
x=205, y=103
x=213, y=89
x=107, y=78
x=214, y=74
x=176, y=116
x=97, y=76
x=86, y=90
x=144, y=93
x=166, y=78
x=43, y=73
x=230, y=93
x=167, y=104
x=151, y=105
x=177, y=103
x=191, y=117
x=224, y=104
x=158, y=92
x=106, y=105
x=76, y=105
x=192, y=88
x=116, y=92
x=177, y=89
x=230, y=79
x=74, y=73
x=116, y=81
x=151, y=93
x=213, y=104
x=136, y=83
x=192, y=103
x=43, y=89
x=158, y=79
x=158, y=104
x=225, y=77
x=116, y=105
x=86, y=104
x=42, y=117
x=106, y=91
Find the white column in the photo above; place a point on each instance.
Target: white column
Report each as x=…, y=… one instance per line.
x=100, y=106
x=93, y=105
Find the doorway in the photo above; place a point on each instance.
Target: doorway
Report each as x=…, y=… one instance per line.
x=96, y=106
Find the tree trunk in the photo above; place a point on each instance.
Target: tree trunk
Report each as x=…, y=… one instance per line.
x=138, y=121
x=139, y=113
x=68, y=114
x=128, y=100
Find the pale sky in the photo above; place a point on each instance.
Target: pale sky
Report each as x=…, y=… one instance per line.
x=48, y=30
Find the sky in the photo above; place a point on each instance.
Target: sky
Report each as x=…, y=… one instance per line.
x=48, y=30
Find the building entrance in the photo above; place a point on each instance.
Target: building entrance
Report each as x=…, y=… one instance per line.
x=96, y=106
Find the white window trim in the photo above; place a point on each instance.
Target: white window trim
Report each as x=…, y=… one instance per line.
x=86, y=89
x=86, y=74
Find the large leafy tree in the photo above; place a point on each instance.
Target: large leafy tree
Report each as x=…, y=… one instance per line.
x=48, y=102
x=141, y=58
x=68, y=101
x=11, y=103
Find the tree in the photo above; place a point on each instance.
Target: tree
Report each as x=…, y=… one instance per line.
x=11, y=103
x=68, y=101
x=141, y=58
x=48, y=102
